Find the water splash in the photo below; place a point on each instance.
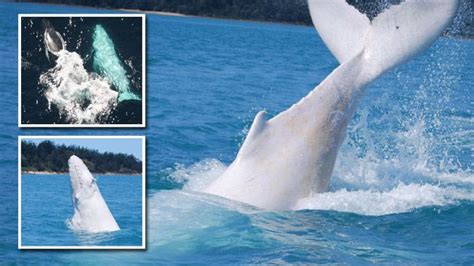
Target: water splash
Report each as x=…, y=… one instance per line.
x=403, y=198
x=200, y=175
x=398, y=157
x=84, y=98
x=107, y=63
x=373, y=195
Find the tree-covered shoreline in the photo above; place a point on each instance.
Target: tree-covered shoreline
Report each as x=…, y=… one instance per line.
x=285, y=11
x=49, y=157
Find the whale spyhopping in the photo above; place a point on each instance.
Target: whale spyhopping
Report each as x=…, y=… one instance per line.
x=91, y=213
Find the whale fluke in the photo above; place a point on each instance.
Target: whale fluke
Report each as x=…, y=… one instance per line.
x=405, y=30
x=292, y=155
x=91, y=213
x=391, y=38
x=341, y=26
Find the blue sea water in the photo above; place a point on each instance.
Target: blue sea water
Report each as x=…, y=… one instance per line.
x=402, y=190
x=47, y=206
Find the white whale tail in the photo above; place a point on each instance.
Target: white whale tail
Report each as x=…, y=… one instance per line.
x=292, y=155
x=391, y=38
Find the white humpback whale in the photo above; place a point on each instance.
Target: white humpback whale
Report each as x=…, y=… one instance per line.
x=53, y=41
x=107, y=63
x=91, y=213
x=292, y=155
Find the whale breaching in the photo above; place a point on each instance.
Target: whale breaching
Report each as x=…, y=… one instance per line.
x=53, y=41
x=292, y=155
x=91, y=213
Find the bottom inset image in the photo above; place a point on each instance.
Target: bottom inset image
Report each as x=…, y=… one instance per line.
x=81, y=192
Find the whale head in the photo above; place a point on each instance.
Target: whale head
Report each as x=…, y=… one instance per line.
x=53, y=41
x=91, y=212
x=83, y=184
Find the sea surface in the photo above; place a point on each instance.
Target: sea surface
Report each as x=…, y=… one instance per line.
x=402, y=190
x=46, y=205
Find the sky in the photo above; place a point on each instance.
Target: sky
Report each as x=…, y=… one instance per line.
x=131, y=146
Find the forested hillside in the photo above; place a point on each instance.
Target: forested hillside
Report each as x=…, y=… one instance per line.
x=49, y=157
x=288, y=11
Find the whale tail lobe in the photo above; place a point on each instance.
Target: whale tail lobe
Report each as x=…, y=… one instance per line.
x=393, y=37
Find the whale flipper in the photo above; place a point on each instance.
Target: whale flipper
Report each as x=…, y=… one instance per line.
x=292, y=155
x=91, y=213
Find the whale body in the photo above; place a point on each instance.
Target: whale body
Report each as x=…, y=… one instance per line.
x=107, y=63
x=53, y=41
x=91, y=213
x=292, y=155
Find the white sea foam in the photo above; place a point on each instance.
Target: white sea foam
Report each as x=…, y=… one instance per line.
x=402, y=198
x=373, y=177
x=198, y=176
x=376, y=200
x=369, y=185
x=82, y=97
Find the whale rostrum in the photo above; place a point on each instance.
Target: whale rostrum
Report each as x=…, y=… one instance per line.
x=91, y=213
x=53, y=41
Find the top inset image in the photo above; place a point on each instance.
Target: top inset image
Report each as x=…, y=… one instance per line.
x=81, y=70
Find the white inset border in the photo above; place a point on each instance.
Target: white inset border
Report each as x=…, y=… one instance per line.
x=143, y=147
x=142, y=125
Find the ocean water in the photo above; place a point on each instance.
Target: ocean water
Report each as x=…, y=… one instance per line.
x=47, y=207
x=402, y=190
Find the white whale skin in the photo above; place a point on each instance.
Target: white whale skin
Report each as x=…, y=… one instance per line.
x=292, y=155
x=91, y=213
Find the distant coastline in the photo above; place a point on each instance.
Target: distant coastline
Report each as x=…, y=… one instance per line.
x=163, y=13
x=277, y=11
x=49, y=157
x=66, y=173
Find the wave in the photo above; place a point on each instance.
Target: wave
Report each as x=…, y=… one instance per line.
x=375, y=200
x=403, y=198
x=87, y=238
x=377, y=173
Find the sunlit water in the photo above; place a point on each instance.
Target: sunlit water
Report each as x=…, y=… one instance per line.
x=403, y=185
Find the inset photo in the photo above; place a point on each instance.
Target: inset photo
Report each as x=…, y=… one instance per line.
x=81, y=192
x=83, y=70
